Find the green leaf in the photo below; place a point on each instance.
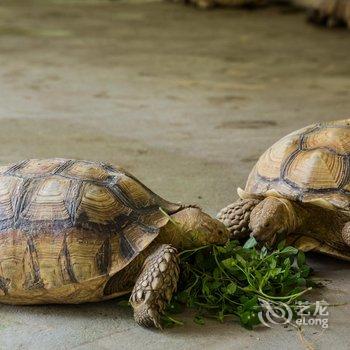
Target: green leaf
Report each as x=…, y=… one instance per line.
x=245, y=317
x=241, y=260
x=301, y=281
x=273, y=263
x=206, y=287
x=289, y=251
x=300, y=259
x=231, y=288
x=229, y=263
x=250, y=243
x=286, y=262
x=221, y=316
x=275, y=271
x=305, y=271
x=199, y=320
x=215, y=285
x=251, y=303
x=221, y=281
x=248, y=319
x=221, y=249
x=281, y=245
x=217, y=273
x=263, y=252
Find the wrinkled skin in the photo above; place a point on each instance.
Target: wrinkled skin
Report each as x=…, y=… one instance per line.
x=191, y=227
x=269, y=218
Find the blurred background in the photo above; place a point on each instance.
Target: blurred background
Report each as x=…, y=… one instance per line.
x=186, y=100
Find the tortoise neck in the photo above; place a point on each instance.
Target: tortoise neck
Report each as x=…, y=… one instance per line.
x=294, y=217
x=322, y=223
x=191, y=227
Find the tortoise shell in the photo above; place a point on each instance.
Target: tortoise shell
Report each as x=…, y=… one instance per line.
x=66, y=225
x=308, y=165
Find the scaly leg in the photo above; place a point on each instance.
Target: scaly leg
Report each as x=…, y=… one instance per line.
x=155, y=285
x=236, y=217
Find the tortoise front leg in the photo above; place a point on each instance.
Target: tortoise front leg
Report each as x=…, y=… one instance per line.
x=236, y=217
x=155, y=285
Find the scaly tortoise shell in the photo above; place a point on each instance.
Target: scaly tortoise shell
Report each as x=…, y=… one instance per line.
x=309, y=165
x=67, y=225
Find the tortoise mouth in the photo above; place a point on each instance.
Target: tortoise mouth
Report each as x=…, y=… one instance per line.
x=266, y=236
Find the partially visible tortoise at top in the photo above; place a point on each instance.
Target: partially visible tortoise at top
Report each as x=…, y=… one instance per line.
x=331, y=13
x=299, y=187
x=77, y=231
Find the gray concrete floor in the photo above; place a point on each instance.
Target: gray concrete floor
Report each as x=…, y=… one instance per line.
x=184, y=99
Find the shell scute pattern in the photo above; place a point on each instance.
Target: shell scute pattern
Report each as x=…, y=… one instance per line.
x=78, y=191
x=84, y=170
x=36, y=167
x=277, y=154
x=141, y=196
x=307, y=165
x=336, y=140
x=65, y=222
x=326, y=170
x=98, y=204
x=9, y=188
x=47, y=200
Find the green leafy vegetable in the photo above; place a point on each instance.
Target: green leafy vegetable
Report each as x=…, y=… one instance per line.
x=228, y=281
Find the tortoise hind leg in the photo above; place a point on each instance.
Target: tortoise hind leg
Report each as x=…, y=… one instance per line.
x=155, y=285
x=236, y=217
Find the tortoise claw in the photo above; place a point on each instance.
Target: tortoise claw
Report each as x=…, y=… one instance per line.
x=155, y=286
x=147, y=316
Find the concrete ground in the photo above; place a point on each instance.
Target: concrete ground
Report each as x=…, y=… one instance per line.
x=186, y=100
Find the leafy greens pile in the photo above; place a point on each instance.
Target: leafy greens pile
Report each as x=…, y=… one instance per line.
x=223, y=281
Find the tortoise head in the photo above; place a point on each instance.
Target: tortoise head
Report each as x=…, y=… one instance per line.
x=196, y=228
x=270, y=217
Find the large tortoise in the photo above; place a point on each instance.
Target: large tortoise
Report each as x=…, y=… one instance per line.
x=300, y=187
x=78, y=231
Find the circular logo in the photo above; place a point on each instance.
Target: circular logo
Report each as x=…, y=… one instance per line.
x=274, y=313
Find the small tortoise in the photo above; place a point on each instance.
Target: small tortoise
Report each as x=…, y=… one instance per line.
x=77, y=231
x=300, y=187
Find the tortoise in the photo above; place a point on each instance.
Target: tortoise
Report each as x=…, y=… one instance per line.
x=79, y=231
x=300, y=189
x=331, y=13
